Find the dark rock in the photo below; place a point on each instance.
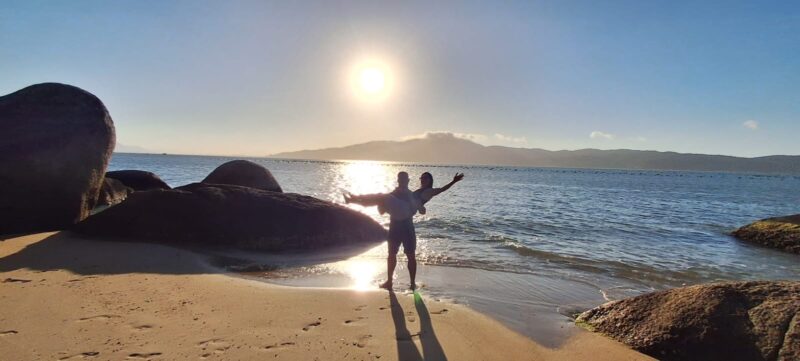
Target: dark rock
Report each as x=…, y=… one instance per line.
x=236, y=216
x=720, y=321
x=780, y=232
x=138, y=180
x=244, y=173
x=55, y=144
x=112, y=192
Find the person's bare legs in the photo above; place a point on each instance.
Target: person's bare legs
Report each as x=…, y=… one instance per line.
x=412, y=269
x=366, y=200
x=391, y=263
x=386, y=203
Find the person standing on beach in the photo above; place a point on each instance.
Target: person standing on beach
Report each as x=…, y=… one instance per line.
x=401, y=231
x=402, y=204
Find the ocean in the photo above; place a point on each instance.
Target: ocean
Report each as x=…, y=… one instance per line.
x=530, y=247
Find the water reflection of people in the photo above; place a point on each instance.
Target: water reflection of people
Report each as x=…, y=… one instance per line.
x=402, y=204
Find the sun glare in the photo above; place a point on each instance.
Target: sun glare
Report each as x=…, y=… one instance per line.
x=371, y=81
x=365, y=177
x=362, y=177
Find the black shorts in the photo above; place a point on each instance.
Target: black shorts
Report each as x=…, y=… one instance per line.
x=402, y=232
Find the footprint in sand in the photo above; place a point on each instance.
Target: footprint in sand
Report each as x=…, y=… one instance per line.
x=218, y=346
x=8, y=333
x=98, y=318
x=362, y=341
x=360, y=307
x=15, y=280
x=144, y=355
x=312, y=325
x=278, y=346
x=350, y=322
x=81, y=279
x=81, y=355
x=440, y=312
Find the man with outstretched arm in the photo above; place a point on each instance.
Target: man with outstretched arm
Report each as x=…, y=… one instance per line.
x=401, y=230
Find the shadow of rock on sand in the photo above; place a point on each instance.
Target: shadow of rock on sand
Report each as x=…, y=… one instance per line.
x=68, y=251
x=406, y=348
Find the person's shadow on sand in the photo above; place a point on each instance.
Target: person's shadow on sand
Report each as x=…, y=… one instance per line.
x=406, y=348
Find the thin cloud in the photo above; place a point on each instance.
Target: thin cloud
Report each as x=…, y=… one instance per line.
x=639, y=139
x=510, y=139
x=600, y=135
x=439, y=134
x=750, y=124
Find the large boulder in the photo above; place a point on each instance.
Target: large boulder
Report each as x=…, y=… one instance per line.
x=55, y=144
x=244, y=173
x=235, y=216
x=780, y=232
x=138, y=180
x=112, y=192
x=720, y=321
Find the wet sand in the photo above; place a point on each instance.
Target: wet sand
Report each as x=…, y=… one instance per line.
x=67, y=298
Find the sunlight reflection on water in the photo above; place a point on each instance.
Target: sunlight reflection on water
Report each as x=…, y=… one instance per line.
x=365, y=270
x=364, y=177
x=640, y=229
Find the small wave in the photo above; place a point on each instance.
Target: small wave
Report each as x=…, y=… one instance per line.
x=554, y=258
x=493, y=239
x=632, y=271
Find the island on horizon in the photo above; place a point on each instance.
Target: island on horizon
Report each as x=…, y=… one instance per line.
x=447, y=148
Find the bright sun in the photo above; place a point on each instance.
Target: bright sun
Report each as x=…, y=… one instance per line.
x=372, y=80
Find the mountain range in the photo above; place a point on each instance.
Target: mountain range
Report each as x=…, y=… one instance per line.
x=446, y=148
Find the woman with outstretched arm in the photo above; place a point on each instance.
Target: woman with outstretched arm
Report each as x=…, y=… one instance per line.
x=426, y=190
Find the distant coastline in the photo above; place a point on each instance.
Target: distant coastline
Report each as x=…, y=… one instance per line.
x=447, y=149
x=434, y=164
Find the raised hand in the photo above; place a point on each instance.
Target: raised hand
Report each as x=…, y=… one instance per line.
x=458, y=177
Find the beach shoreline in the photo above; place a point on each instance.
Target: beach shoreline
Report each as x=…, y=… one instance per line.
x=65, y=297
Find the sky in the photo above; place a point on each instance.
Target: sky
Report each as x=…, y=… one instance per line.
x=262, y=77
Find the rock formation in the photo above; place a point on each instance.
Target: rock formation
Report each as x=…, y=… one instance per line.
x=55, y=144
x=233, y=216
x=112, y=192
x=138, y=180
x=720, y=321
x=780, y=232
x=244, y=173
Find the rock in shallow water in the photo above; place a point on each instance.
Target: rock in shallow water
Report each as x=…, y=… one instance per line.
x=138, y=180
x=55, y=144
x=244, y=173
x=721, y=321
x=780, y=232
x=235, y=216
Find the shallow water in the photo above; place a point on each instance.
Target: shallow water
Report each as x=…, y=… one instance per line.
x=529, y=245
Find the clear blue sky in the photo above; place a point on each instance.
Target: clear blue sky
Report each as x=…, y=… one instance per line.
x=260, y=77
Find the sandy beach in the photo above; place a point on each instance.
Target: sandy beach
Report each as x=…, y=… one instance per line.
x=65, y=298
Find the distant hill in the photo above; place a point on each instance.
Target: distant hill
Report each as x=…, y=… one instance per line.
x=124, y=148
x=444, y=148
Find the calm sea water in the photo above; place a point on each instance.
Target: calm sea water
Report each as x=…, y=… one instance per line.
x=530, y=245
